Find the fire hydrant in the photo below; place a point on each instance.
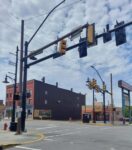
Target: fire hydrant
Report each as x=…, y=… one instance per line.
x=5, y=126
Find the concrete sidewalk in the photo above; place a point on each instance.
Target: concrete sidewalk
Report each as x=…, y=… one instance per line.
x=9, y=139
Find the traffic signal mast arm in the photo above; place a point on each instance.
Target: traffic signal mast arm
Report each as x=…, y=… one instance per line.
x=92, y=84
x=63, y=37
x=54, y=55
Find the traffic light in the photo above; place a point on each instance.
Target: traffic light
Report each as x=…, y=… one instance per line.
x=97, y=88
x=90, y=34
x=94, y=83
x=104, y=87
x=90, y=85
x=120, y=34
x=82, y=47
x=107, y=35
x=62, y=47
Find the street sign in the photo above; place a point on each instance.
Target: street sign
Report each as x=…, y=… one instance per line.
x=125, y=85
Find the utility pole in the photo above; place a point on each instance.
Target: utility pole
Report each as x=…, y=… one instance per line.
x=13, y=124
x=112, y=101
x=25, y=60
x=104, y=111
x=21, y=75
x=93, y=108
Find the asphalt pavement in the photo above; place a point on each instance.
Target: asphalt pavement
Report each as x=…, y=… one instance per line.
x=68, y=135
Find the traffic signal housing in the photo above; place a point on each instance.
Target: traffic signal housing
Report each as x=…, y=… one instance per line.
x=90, y=34
x=97, y=88
x=107, y=35
x=104, y=87
x=94, y=83
x=120, y=34
x=82, y=49
x=62, y=46
x=90, y=85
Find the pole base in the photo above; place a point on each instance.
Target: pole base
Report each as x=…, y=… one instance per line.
x=13, y=126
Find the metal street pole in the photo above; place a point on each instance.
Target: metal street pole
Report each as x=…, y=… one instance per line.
x=12, y=124
x=94, y=121
x=129, y=107
x=112, y=101
x=104, y=111
x=24, y=92
x=20, y=76
x=103, y=83
x=24, y=95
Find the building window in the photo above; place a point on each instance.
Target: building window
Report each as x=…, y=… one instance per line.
x=78, y=98
x=29, y=101
x=78, y=105
x=46, y=92
x=10, y=95
x=59, y=101
x=46, y=102
x=6, y=95
x=29, y=93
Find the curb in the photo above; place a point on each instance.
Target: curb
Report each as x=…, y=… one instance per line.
x=39, y=136
x=8, y=146
x=100, y=124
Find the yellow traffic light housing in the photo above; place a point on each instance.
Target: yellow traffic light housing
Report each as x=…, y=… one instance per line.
x=90, y=85
x=94, y=83
x=91, y=34
x=62, y=46
x=104, y=87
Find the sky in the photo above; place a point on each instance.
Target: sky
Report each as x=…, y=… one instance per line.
x=69, y=70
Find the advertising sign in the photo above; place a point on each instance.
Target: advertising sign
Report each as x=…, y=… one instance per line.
x=126, y=99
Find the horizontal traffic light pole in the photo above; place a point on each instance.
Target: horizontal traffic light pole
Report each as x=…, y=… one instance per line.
x=55, y=55
x=35, y=52
x=69, y=34
x=113, y=30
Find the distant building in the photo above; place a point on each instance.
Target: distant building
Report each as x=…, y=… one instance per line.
x=99, y=111
x=2, y=109
x=48, y=101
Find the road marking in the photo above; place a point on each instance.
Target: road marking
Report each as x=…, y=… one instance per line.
x=46, y=128
x=21, y=147
x=112, y=148
x=80, y=128
x=46, y=139
x=70, y=133
x=106, y=128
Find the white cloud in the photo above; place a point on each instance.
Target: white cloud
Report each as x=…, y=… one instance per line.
x=69, y=70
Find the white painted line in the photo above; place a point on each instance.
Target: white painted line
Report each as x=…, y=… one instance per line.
x=65, y=130
x=46, y=139
x=106, y=128
x=21, y=147
x=112, y=148
x=46, y=127
x=70, y=133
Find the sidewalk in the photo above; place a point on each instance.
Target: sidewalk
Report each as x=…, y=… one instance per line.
x=9, y=139
x=101, y=123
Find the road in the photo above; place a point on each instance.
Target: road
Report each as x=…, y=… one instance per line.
x=62, y=135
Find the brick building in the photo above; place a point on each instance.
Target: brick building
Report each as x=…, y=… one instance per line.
x=2, y=109
x=48, y=101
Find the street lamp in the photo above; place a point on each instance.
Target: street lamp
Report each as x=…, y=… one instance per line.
x=13, y=124
x=23, y=114
x=90, y=84
x=103, y=83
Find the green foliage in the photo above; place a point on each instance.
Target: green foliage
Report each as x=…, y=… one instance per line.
x=127, y=111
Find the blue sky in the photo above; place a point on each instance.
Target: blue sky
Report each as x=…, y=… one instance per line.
x=69, y=70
